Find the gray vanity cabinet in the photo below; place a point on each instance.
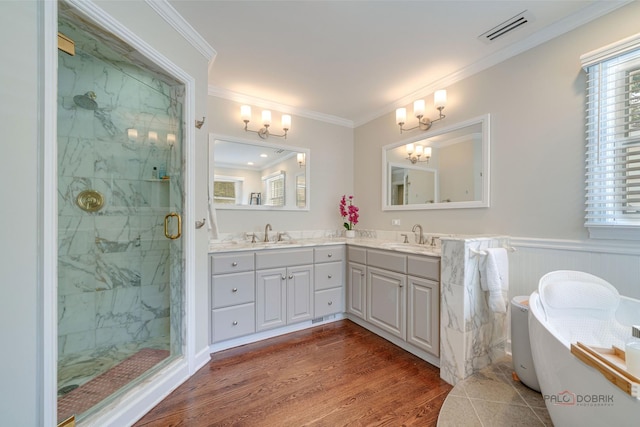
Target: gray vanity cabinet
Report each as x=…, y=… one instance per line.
x=232, y=295
x=284, y=287
x=397, y=293
x=328, y=280
x=386, y=295
x=357, y=281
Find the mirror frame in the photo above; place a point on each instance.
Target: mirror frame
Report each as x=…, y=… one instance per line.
x=211, y=174
x=486, y=146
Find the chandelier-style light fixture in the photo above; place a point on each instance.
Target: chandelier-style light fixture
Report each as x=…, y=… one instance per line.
x=424, y=123
x=418, y=153
x=245, y=114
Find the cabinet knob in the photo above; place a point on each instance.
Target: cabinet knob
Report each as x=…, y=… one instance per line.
x=283, y=278
x=235, y=323
x=234, y=264
x=234, y=290
x=290, y=276
x=400, y=285
x=329, y=276
x=330, y=302
x=329, y=255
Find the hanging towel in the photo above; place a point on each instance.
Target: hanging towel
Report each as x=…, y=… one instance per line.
x=494, y=278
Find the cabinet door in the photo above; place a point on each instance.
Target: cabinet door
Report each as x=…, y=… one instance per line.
x=271, y=298
x=299, y=293
x=386, y=300
x=424, y=315
x=356, y=290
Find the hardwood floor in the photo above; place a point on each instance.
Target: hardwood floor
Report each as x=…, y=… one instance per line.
x=332, y=375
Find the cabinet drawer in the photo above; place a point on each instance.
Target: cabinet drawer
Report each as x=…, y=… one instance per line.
x=231, y=322
x=329, y=253
x=387, y=260
x=328, y=275
x=356, y=254
x=328, y=301
x=427, y=267
x=232, y=289
x=231, y=262
x=283, y=258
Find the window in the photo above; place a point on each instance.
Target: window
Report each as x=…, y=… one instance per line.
x=274, y=188
x=227, y=190
x=613, y=140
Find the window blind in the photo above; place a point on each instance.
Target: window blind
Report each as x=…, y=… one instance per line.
x=613, y=140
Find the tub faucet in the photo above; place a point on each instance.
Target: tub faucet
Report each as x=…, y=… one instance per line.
x=421, y=235
x=267, y=228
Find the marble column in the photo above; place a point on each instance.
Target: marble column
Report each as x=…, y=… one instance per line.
x=471, y=335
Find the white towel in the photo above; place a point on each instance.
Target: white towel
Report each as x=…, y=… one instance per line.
x=494, y=278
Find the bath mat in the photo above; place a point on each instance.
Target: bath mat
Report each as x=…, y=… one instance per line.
x=94, y=391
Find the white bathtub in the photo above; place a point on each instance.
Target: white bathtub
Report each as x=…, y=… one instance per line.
x=576, y=394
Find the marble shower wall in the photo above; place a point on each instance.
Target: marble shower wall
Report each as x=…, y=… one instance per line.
x=115, y=265
x=471, y=335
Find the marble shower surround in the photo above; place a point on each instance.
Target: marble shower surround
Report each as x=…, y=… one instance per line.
x=115, y=265
x=471, y=336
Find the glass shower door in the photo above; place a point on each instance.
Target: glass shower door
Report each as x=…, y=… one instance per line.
x=120, y=197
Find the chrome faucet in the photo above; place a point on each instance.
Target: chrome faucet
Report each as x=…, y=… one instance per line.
x=267, y=228
x=421, y=236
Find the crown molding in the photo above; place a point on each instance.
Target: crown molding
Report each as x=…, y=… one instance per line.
x=173, y=18
x=590, y=13
x=241, y=98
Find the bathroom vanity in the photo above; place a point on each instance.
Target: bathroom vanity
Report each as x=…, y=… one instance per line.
x=261, y=292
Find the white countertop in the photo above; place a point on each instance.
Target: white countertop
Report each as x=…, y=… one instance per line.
x=410, y=248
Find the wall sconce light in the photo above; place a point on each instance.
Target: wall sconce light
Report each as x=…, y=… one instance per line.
x=424, y=123
x=418, y=153
x=245, y=114
x=302, y=159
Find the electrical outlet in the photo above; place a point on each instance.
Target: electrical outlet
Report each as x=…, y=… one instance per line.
x=395, y=222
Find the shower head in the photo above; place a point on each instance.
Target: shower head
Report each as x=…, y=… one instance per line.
x=86, y=101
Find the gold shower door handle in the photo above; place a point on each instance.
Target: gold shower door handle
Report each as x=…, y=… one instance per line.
x=166, y=226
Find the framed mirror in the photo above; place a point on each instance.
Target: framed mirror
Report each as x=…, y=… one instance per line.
x=442, y=169
x=257, y=175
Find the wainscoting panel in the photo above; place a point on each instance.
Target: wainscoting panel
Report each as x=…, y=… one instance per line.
x=619, y=264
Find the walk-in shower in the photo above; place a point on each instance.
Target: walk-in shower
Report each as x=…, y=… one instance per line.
x=120, y=187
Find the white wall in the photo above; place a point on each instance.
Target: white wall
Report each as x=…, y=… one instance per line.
x=536, y=102
x=19, y=204
x=331, y=169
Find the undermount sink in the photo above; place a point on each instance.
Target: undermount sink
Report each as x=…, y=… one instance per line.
x=410, y=247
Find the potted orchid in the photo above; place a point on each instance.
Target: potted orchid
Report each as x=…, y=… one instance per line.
x=349, y=212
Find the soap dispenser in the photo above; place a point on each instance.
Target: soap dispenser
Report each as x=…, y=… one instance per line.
x=632, y=352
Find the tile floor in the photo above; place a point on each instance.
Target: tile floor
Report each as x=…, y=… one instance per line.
x=491, y=398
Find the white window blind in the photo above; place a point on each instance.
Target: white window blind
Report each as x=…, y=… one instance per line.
x=274, y=188
x=613, y=141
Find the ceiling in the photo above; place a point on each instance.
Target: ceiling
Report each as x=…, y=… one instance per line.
x=349, y=62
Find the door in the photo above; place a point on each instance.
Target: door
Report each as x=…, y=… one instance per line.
x=299, y=293
x=271, y=298
x=386, y=300
x=120, y=283
x=356, y=290
x=423, y=318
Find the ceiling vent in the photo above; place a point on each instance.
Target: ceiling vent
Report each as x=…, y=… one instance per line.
x=506, y=27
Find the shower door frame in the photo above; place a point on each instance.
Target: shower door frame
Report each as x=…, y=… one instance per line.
x=131, y=403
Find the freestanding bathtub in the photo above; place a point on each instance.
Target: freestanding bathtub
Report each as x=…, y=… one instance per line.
x=576, y=394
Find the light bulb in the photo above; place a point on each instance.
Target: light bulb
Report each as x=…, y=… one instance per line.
x=401, y=115
x=418, y=108
x=440, y=98
x=245, y=113
x=266, y=117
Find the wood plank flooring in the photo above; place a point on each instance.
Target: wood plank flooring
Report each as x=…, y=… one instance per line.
x=332, y=375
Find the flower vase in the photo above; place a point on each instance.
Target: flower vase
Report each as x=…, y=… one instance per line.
x=350, y=234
